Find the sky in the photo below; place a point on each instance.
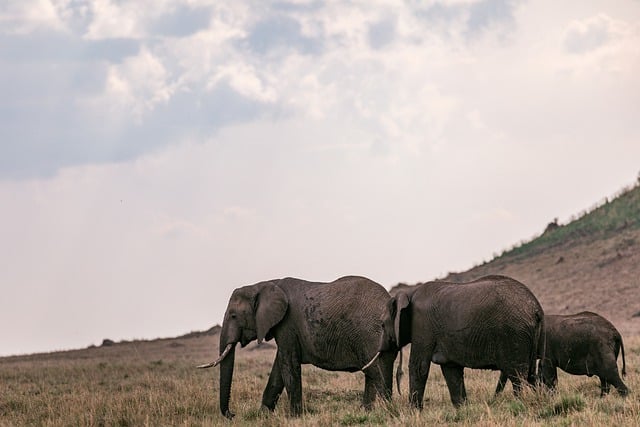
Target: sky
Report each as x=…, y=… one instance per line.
x=157, y=154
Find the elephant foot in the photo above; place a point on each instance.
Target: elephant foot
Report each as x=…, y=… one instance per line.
x=368, y=406
x=296, y=411
x=459, y=403
x=228, y=414
x=266, y=409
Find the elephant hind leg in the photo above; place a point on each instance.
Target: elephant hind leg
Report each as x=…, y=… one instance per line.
x=454, y=376
x=616, y=381
x=518, y=377
x=549, y=374
x=604, y=387
x=502, y=382
x=612, y=376
x=369, y=392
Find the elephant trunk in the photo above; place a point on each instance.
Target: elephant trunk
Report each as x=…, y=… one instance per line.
x=399, y=373
x=226, y=376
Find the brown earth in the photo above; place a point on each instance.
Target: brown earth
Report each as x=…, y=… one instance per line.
x=599, y=275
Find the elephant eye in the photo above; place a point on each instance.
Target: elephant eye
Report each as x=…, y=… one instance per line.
x=233, y=315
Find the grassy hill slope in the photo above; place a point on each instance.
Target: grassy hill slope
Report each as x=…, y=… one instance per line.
x=591, y=263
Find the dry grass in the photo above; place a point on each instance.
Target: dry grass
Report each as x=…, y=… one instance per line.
x=155, y=383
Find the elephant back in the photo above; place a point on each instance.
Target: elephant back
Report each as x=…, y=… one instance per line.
x=339, y=317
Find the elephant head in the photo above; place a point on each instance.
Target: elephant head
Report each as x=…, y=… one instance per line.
x=396, y=325
x=253, y=311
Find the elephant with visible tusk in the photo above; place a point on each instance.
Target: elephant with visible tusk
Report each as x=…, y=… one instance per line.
x=491, y=323
x=334, y=326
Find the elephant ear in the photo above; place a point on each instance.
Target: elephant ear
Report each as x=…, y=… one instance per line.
x=401, y=301
x=271, y=307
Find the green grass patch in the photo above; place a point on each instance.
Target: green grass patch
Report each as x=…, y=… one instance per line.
x=566, y=405
x=351, y=419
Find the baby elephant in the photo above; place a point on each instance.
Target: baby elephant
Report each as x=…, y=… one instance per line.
x=581, y=344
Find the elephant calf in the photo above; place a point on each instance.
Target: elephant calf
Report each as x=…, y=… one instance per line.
x=333, y=326
x=581, y=344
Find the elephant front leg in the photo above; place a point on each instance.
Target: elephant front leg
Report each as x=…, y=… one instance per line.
x=418, y=374
x=454, y=376
x=274, y=387
x=291, y=373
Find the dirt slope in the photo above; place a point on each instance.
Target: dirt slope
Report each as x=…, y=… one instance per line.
x=592, y=263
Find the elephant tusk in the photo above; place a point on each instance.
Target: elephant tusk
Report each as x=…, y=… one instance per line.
x=371, y=363
x=226, y=351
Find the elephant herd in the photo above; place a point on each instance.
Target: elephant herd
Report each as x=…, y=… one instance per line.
x=353, y=324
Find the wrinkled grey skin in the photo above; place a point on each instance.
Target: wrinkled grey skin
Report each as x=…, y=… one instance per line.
x=333, y=326
x=581, y=344
x=492, y=323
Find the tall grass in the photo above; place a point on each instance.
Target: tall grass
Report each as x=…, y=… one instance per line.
x=157, y=388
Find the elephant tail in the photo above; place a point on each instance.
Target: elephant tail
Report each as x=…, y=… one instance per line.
x=624, y=363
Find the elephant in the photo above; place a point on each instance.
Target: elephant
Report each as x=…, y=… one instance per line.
x=494, y=322
x=581, y=344
x=333, y=326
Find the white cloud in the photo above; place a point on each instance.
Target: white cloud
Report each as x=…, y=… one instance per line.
x=246, y=81
x=25, y=16
x=137, y=85
x=112, y=20
x=603, y=46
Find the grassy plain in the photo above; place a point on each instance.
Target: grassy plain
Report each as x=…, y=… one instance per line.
x=155, y=383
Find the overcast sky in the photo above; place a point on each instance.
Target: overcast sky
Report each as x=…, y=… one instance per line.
x=157, y=154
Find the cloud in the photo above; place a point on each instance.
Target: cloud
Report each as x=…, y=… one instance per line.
x=590, y=34
x=484, y=14
x=137, y=85
x=18, y=17
x=182, y=21
x=382, y=33
x=280, y=32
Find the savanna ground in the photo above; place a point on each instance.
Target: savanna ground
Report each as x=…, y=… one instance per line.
x=155, y=383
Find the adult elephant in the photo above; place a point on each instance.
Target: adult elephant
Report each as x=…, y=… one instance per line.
x=581, y=344
x=333, y=326
x=491, y=323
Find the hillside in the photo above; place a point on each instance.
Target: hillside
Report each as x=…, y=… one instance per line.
x=591, y=263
